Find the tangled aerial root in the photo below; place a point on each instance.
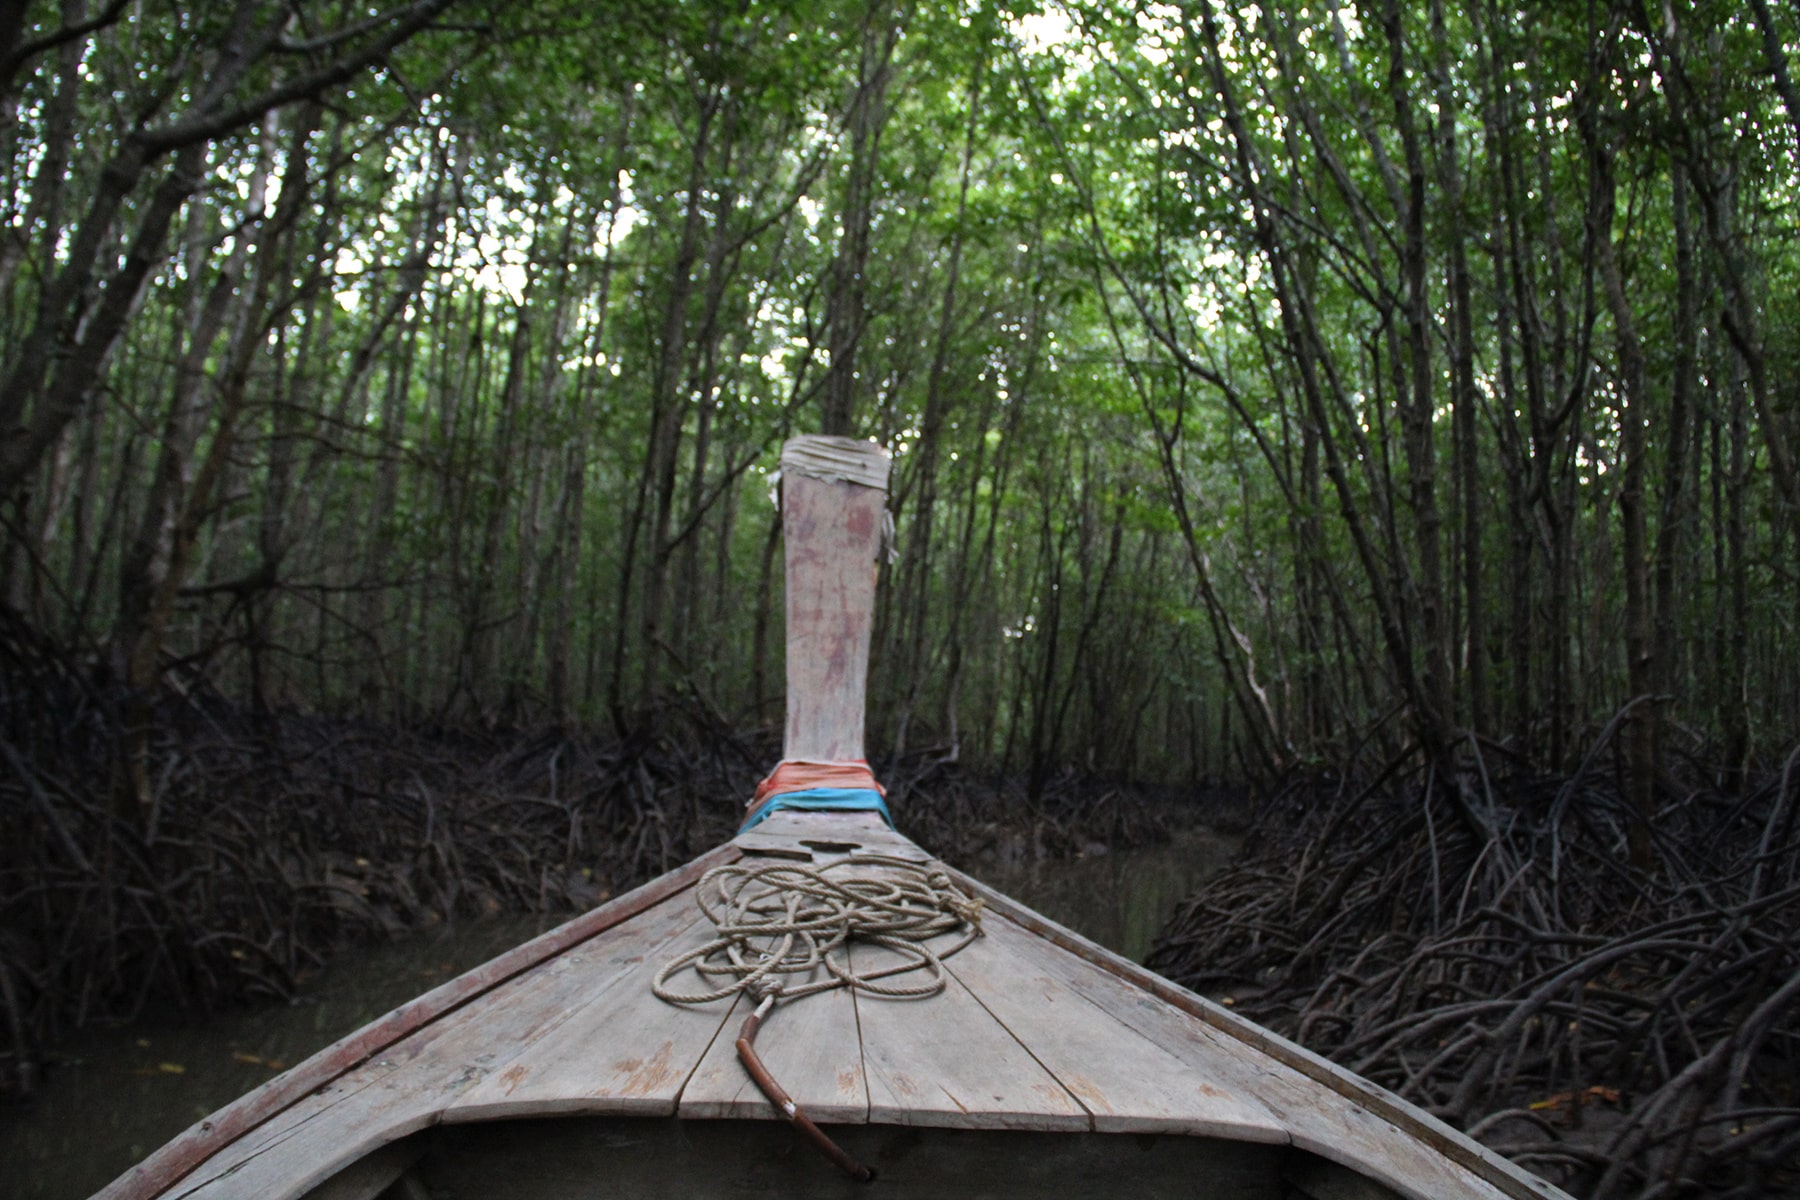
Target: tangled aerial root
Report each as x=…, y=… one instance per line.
x=1488, y=955
x=277, y=838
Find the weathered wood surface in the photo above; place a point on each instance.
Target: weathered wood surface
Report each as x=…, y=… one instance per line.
x=1126, y=1081
x=832, y=532
x=506, y=1033
x=814, y=1049
x=1326, y=1108
x=173, y=1162
x=620, y=1050
x=945, y=1061
x=1036, y=1030
x=814, y=835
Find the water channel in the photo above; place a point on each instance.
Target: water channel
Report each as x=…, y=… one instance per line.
x=113, y=1095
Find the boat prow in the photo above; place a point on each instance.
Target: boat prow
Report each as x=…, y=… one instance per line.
x=1038, y=1062
x=1045, y=1063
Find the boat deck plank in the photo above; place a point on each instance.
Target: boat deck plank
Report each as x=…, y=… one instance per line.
x=1036, y=1030
x=412, y=1083
x=946, y=1062
x=794, y=832
x=623, y=1051
x=1129, y=1083
x=813, y=1048
x=1316, y=1118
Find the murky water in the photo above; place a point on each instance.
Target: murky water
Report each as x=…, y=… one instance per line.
x=1120, y=900
x=118, y=1094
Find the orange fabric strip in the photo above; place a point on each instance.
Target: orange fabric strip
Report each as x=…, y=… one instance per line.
x=800, y=775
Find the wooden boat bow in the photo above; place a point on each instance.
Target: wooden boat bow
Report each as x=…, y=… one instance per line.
x=1045, y=1063
x=1040, y=1031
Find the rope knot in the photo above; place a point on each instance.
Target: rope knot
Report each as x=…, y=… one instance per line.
x=968, y=910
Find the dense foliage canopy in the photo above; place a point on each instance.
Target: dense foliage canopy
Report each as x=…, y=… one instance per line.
x=1268, y=385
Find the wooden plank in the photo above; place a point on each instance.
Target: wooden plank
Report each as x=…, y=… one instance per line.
x=944, y=1061
x=184, y=1153
x=1327, y=1109
x=220, y=1175
x=796, y=827
x=832, y=532
x=412, y=1083
x=827, y=837
x=1315, y=1118
x=1128, y=1083
x=766, y=847
x=811, y=1046
x=623, y=1051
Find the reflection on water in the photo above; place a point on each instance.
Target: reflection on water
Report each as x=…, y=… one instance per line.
x=1120, y=900
x=119, y=1094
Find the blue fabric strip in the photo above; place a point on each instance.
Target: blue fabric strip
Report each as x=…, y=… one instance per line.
x=823, y=800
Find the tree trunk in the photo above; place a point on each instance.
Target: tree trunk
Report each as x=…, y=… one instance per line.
x=1633, y=389
x=846, y=316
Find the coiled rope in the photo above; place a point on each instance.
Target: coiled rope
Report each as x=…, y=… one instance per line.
x=779, y=923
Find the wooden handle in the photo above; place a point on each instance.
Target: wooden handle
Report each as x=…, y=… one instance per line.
x=834, y=499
